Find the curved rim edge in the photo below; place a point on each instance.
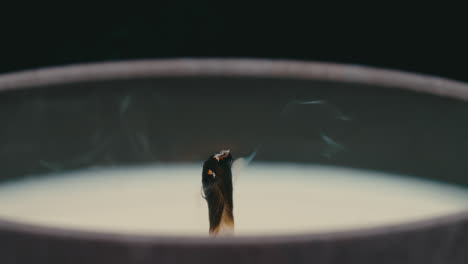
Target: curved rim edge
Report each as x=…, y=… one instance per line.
x=234, y=68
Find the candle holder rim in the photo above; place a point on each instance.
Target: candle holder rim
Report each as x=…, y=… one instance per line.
x=241, y=67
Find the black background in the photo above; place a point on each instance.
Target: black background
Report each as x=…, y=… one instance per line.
x=421, y=38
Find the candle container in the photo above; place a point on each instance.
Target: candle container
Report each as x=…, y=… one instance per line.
x=168, y=111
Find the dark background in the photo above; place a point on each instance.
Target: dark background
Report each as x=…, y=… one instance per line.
x=422, y=38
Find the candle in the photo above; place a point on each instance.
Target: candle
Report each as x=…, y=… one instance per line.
x=269, y=198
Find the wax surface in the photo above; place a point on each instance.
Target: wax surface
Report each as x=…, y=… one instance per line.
x=268, y=199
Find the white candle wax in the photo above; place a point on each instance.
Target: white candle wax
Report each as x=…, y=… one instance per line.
x=269, y=198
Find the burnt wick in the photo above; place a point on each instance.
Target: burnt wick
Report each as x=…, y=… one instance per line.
x=217, y=191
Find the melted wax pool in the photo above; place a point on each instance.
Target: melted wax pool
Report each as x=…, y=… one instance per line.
x=269, y=198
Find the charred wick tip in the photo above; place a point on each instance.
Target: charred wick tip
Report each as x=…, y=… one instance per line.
x=217, y=191
x=222, y=154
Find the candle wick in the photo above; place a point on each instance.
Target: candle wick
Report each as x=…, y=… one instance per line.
x=218, y=191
